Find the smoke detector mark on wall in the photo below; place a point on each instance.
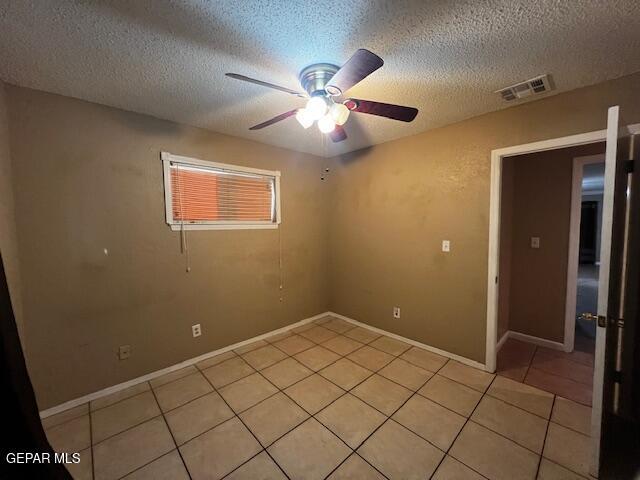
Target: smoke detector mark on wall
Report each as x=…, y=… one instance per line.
x=533, y=86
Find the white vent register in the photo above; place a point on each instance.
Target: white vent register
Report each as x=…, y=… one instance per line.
x=533, y=86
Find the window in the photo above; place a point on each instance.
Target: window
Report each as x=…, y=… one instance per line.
x=202, y=195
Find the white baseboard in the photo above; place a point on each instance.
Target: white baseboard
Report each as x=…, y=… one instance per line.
x=503, y=339
x=158, y=373
x=543, y=342
x=444, y=353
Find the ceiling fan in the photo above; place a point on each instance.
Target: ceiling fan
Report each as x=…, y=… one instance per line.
x=325, y=85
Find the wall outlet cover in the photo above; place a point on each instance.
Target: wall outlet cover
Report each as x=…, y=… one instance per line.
x=196, y=330
x=396, y=312
x=446, y=246
x=535, y=242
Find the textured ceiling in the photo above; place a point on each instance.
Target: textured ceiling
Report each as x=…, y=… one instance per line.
x=168, y=58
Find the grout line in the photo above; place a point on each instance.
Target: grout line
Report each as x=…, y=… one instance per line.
x=546, y=432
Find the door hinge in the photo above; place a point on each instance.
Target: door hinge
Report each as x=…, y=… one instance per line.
x=616, y=376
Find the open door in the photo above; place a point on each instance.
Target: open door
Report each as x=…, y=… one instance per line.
x=614, y=421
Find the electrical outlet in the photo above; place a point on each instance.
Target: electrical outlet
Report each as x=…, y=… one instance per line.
x=396, y=312
x=124, y=352
x=196, y=330
x=446, y=245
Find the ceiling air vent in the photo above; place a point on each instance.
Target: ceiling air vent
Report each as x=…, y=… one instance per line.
x=533, y=86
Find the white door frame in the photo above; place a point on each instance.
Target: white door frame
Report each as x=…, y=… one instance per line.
x=574, y=246
x=494, y=221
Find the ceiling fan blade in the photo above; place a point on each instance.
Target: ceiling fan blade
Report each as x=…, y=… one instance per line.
x=276, y=119
x=388, y=110
x=362, y=64
x=244, y=78
x=338, y=134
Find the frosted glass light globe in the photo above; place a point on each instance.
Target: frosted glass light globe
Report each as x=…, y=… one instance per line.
x=317, y=107
x=339, y=113
x=326, y=124
x=304, y=118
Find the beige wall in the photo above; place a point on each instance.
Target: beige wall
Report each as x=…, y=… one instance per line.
x=8, y=242
x=89, y=177
x=540, y=207
x=394, y=204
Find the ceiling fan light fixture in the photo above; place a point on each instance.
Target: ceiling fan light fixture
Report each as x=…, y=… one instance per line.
x=326, y=124
x=339, y=113
x=316, y=107
x=304, y=118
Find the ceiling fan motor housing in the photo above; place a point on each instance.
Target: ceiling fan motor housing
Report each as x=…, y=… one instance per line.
x=315, y=77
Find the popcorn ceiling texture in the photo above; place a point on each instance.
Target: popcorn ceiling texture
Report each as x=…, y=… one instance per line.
x=168, y=59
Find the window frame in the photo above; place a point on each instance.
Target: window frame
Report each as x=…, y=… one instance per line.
x=177, y=225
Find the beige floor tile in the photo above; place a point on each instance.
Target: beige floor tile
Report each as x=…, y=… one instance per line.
x=179, y=392
x=382, y=394
x=218, y=452
x=314, y=393
x=370, y=358
x=251, y=346
x=323, y=320
x=318, y=334
x=406, y=374
x=524, y=428
x=247, y=392
x=492, y=455
x=350, y=419
x=172, y=376
x=82, y=470
x=228, y=371
x=285, y=373
x=553, y=471
x=263, y=357
x=294, y=344
x=116, y=418
x=341, y=345
x=345, y=373
x=355, y=468
x=338, y=325
x=167, y=467
x=316, y=358
x=210, y=362
x=129, y=450
x=279, y=336
x=524, y=396
x=399, y=453
x=274, y=417
x=65, y=416
x=568, y=448
x=362, y=335
x=260, y=467
x=390, y=345
x=424, y=359
x=431, y=421
x=572, y=415
x=452, y=469
x=453, y=395
x=71, y=436
x=197, y=417
x=469, y=376
x=309, y=452
x=117, y=396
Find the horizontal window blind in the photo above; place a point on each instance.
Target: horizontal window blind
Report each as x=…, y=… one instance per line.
x=202, y=194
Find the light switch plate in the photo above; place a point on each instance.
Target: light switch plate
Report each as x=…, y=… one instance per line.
x=446, y=246
x=535, y=242
x=124, y=352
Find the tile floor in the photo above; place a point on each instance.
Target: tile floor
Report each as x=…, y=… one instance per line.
x=327, y=400
x=569, y=375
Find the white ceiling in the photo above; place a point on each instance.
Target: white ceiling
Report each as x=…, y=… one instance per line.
x=168, y=58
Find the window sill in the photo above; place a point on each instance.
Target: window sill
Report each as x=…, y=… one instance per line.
x=200, y=226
